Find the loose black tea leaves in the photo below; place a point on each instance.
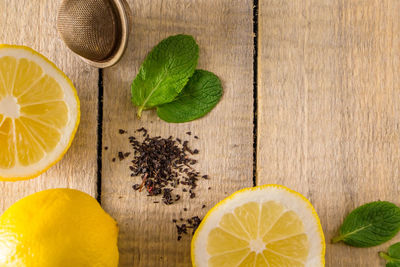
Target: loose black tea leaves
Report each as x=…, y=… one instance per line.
x=121, y=131
x=191, y=223
x=163, y=164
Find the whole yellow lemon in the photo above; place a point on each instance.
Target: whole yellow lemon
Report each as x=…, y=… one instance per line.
x=57, y=228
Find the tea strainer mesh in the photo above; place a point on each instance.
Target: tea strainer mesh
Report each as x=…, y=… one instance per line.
x=91, y=28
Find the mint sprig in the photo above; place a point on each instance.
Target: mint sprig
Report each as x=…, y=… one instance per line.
x=167, y=81
x=370, y=225
x=392, y=257
x=164, y=72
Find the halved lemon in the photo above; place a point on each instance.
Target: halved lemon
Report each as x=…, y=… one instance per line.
x=265, y=226
x=39, y=113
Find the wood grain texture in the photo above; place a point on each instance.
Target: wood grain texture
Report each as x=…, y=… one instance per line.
x=34, y=24
x=223, y=30
x=329, y=100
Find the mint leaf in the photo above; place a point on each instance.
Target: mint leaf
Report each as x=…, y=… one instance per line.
x=200, y=95
x=164, y=72
x=393, y=256
x=370, y=224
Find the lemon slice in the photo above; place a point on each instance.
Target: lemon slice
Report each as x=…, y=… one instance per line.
x=267, y=226
x=39, y=113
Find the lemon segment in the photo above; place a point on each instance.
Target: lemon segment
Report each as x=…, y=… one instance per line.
x=29, y=149
x=50, y=113
x=295, y=247
x=8, y=67
x=28, y=73
x=249, y=260
x=7, y=155
x=270, y=212
x=261, y=261
x=248, y=217
x=276, y=260
x=230, y=258
x=288, y=224
x=230, y=223
x=46, y=136
x=262, y=226
x=221, y=241
x=43, y=91
x=39, y=113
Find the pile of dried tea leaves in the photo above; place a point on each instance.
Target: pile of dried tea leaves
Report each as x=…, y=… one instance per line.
x=164, y=164
x=166, y=169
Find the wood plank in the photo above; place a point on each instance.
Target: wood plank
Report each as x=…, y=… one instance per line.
x=328, y=118
x=34, y=25
x=223, y=30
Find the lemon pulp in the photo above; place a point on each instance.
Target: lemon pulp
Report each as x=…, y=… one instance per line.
x=32, y=112
x=265, y=233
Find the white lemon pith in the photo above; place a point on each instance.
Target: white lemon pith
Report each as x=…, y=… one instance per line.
x=58, y=228
x=269, y=226
x=39, y=113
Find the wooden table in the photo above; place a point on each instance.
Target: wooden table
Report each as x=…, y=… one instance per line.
x=311, y=101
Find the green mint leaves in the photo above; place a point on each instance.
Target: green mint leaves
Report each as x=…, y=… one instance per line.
x=370, y=224
x=392, y=257
x=165, y=71
x=167, y=81
x=200, y=95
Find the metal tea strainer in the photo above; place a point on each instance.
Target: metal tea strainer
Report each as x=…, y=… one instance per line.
x=96, y=30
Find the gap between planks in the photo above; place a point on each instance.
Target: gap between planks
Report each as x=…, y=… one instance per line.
x=255, y=88
x=99, y=134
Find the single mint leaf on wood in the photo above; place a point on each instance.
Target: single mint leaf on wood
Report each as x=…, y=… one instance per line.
x=392, y=257
x=164, y=72
x=370, y=224
x=200, y=95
